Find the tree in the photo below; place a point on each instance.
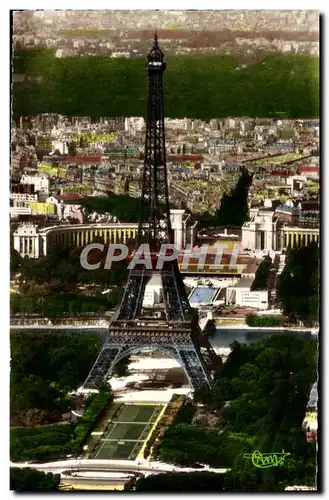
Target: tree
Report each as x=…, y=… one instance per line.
x=32, y=392
x=72, y=148
x=182, y=482
x=121, y=368
x=202, y=394
x=35, y=416
x=299, y=283
x=15, y=261
x=28, y=479
x=261, y=396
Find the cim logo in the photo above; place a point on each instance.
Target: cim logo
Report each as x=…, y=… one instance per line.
x=152, y=260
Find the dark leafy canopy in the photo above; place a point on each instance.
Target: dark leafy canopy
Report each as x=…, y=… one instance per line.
x=52, y=442
x=261, y=397
x=211, y=86
x=43, y=370
x=49, y=286
x=46, y=367
x=27, y=479
x=41, y=443
x=198, y=481
x=299, y=284
x=233, y=210
x=54, y=306
x=262, y=274
x=254, y=320
x=15, y=261
x=125, y=208
x=190, y=445
x=63, y=267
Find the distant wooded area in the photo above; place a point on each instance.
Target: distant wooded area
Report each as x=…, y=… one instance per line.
x=195, y=86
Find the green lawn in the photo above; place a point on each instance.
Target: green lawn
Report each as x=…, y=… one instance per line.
x=125, y=432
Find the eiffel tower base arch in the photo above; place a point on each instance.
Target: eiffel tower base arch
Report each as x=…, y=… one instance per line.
x=179, y=345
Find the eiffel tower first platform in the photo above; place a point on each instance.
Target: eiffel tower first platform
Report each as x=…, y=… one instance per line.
x=172, y=327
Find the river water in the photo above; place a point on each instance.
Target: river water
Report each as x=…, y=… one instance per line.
x=225, y=336
x=222, y=339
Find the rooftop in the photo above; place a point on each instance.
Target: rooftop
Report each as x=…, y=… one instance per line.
x=244, y=283
x=67, y=197
x=203, y=294
x=155, y=281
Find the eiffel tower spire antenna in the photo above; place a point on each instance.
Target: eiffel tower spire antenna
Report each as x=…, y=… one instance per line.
x=174, y=328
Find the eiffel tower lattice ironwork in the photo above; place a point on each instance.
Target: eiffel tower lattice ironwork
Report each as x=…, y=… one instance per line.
x=175, y=328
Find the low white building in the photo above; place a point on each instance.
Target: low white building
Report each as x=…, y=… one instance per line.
x=152, y=293
x=66, y=210
x=72, y=211
x=261, y=232
x=40, y=182
x=16, y=211
x=176, y=218
x=134, y=124
x=61, y=146
x=26, y=240
x=240, y=294
x=22, y=198
x=178, y=123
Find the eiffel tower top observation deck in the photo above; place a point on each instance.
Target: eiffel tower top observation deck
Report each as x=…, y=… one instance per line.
x=156, y=55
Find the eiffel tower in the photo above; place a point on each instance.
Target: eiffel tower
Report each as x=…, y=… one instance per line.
x=173, y=328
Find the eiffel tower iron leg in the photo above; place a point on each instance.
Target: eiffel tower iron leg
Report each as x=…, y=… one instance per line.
x=194, y=368
x=101, y=368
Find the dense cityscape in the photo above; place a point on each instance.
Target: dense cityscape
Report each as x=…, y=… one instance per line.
x=242, y=202
x=127, y=34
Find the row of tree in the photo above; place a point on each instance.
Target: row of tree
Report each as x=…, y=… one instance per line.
x=61, y=271
x=53, y=306
x=44, y=368
x=259, y=321
x=51, y=442
x=298, y=286
x=262, y=274
x=94, y=408
x=26, y=479
x=56, y=284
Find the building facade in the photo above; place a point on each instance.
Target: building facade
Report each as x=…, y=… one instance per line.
x=40, y=182
x=241, y=294
x=34, y=242
x=296, y=237
x=261, y=232
x=26, y=241
x=267, y=230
